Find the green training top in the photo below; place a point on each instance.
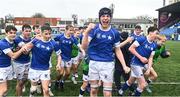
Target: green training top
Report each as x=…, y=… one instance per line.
x=85, y=65
x=158, y=52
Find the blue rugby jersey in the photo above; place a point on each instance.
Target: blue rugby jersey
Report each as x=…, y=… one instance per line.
x=102, y=44
x=5, y=47
x=41, y=53
x=19, y=41
x=66, y=45
x=145, y=48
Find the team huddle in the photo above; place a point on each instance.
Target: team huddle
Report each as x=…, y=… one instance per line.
x=105, y=54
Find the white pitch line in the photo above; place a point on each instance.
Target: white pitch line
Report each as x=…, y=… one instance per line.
x=156, y=83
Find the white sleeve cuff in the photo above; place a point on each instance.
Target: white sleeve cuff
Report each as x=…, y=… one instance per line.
x=117, y=44
x=58, y=52
x=89, y=38
x=7, y=50
x=79, y=45
x=136, y=43
x=21, y=44
x=153, y=53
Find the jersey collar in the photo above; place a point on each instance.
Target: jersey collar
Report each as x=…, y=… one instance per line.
x=136, y=34
x=11, y=42
x=100, y=26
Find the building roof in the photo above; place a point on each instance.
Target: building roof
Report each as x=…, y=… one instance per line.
x=173, y=8
x=127, y=21
x=131, y=21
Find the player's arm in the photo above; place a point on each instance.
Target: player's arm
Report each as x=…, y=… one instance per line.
x=120, y=56
x=81, y=49
x=150, y=63
x=86, y=39
x=59, y=59
x=58, y=53
x=12, y=54
x=128, y=40
x=132, y=49
x=28, y=47
x=164, y=53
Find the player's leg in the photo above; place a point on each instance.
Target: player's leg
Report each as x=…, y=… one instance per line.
x=93, y=78
x=45, y=84
x=39, y=87
x=74, y=69
x=68, y=66
x=3, y=88
x=34, y=77
x=94, y=88
x=67, y=73
x=141, y=80
x=80, y=58
x=84, y=85
x=49, y=86
x=141, y=85
x=153, y=75
x=59, y=74
x=45, y=80
x=106, y=76
x=130, y=81
x=117, y=78
x=21, y=71
x=5, y=75
x=133, y=85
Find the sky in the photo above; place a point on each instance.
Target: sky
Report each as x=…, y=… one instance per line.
x=83, y=8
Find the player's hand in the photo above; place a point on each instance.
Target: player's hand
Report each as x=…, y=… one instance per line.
x=126, y=69
x=129, y=39
x=25, y=49
x=144, y=60
x=90, y=27
x=38, y=36
x=147, y=72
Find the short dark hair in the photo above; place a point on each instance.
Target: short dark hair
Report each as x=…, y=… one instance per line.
x=68, y=26
x=152, y=29
x=124, y=35
x=45, y=27
x=35, y=26
x=26, y=26
x=9, y=28
x=137, y=27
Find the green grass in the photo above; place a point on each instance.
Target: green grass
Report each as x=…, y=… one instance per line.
x=167, y=69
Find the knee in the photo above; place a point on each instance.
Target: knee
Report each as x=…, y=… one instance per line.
x=93, y=91
x=155, y=76
x=107, y=93
x=142, y=85
x=67, y=74
x=3, y=91
x=94, y=88
x=129, y=82
x=85, y=84
x=46, y=90
x=61, y=72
